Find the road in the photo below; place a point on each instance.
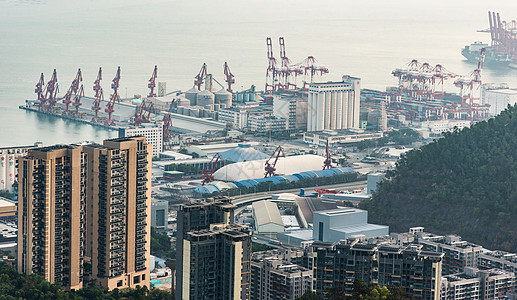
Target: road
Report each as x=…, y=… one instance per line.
x=249, y=198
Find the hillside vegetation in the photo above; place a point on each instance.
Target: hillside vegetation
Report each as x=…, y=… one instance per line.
x=464, y=183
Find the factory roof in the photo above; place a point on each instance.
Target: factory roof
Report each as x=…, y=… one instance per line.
x=351, y=229
x=340, y=212
x=308, y=206
x=266, y=212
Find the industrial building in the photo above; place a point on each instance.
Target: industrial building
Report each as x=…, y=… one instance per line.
x=7, y=208
x=344, y=223
x=153, y=135
x=239, y=116
x=334, y=105
x=86, y=205
x=8, y=170
x=343, y=136
x=340, y=264
x=214, y=254
x=498, y=98
x=293, y=109
x=274, y=276
x=267, y=218
x=244, y=152
x=264, y=124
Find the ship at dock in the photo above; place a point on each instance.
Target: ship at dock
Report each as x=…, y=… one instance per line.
x=502, y=51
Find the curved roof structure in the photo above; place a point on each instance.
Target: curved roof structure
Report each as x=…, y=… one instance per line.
x=242, y=153
x=255, y=169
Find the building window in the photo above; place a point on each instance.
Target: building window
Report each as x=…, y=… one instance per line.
x=136, y=279
x=143, y=276
x=119, y=283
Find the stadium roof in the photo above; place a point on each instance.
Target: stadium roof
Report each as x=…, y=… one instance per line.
x=242, y=154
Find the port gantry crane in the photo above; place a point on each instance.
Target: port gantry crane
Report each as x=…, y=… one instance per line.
x=99, y=95
x=327, y=164
x=200, y=77
x=74, y=87
x=287, y=71
x=152, y=82
x=167, y=123
x=114, y=98
x=229, y=77
x=77, y=100
x=311, y=69
x=39, y=89
x=50, y=93
x=467, y=83
x=271, y=72
x=208, y=171
x=270, y=168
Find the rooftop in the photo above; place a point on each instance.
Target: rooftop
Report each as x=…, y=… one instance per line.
x=266, y=212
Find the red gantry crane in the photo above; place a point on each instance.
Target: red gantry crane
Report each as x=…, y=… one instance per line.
x=311, y=69
x=152, y=82
x=208, y=171
x=271, y=72
x=270, y=168
x=229, y=77
x=327, y=164
x=114, y=98
x=99, y=95
x=50, y=93
x=467, y=83
x=39, y=88
x=77, y=100
x=200, y=77
x=74, y=87
x=167, y=123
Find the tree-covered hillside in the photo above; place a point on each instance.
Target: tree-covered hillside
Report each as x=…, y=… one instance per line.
x=464, y=183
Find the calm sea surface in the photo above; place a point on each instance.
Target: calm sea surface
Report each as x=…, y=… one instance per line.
x=366, y=38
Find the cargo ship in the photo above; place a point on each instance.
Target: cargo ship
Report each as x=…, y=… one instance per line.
x=492, y=57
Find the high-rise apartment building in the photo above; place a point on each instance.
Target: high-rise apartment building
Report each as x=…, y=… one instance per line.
x=275, y=276
x=84, y=213
x=334, y=105
x=340, y=264
x=51, y=214
x=119, y=212
x=213, y=255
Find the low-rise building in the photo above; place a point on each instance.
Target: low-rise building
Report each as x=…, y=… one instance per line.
x=293, y=108
x=343, y=136
x=264, y=124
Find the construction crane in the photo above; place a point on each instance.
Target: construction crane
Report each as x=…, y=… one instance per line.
x=327, y=164
x=152, y=82
x=99, y=95
x=50, y=92
x=77, y=100
x=207, y=174
x=270, y=168
x=114, y=98
x=229, y=77
x=200, y=77
x=271, y=72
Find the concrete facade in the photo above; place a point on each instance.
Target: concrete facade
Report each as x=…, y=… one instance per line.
x=334, y=105
x=159, y=214
x=153, y=134
x=498, y=98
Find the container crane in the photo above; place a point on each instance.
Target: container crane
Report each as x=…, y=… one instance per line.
x=208, y=171
x=287, y=71
x=229, y=77
x=327, y=164
x=311, y=69
x=50, y=92
x=467, y=83
x=152, y=82
x=269, y=167
x=271, y=71
x=114, y=98
x=200, y=77
x=77, y=100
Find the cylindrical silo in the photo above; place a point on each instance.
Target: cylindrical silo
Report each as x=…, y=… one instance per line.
x=223, y=97
x=205, y=98
x=191, y=95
